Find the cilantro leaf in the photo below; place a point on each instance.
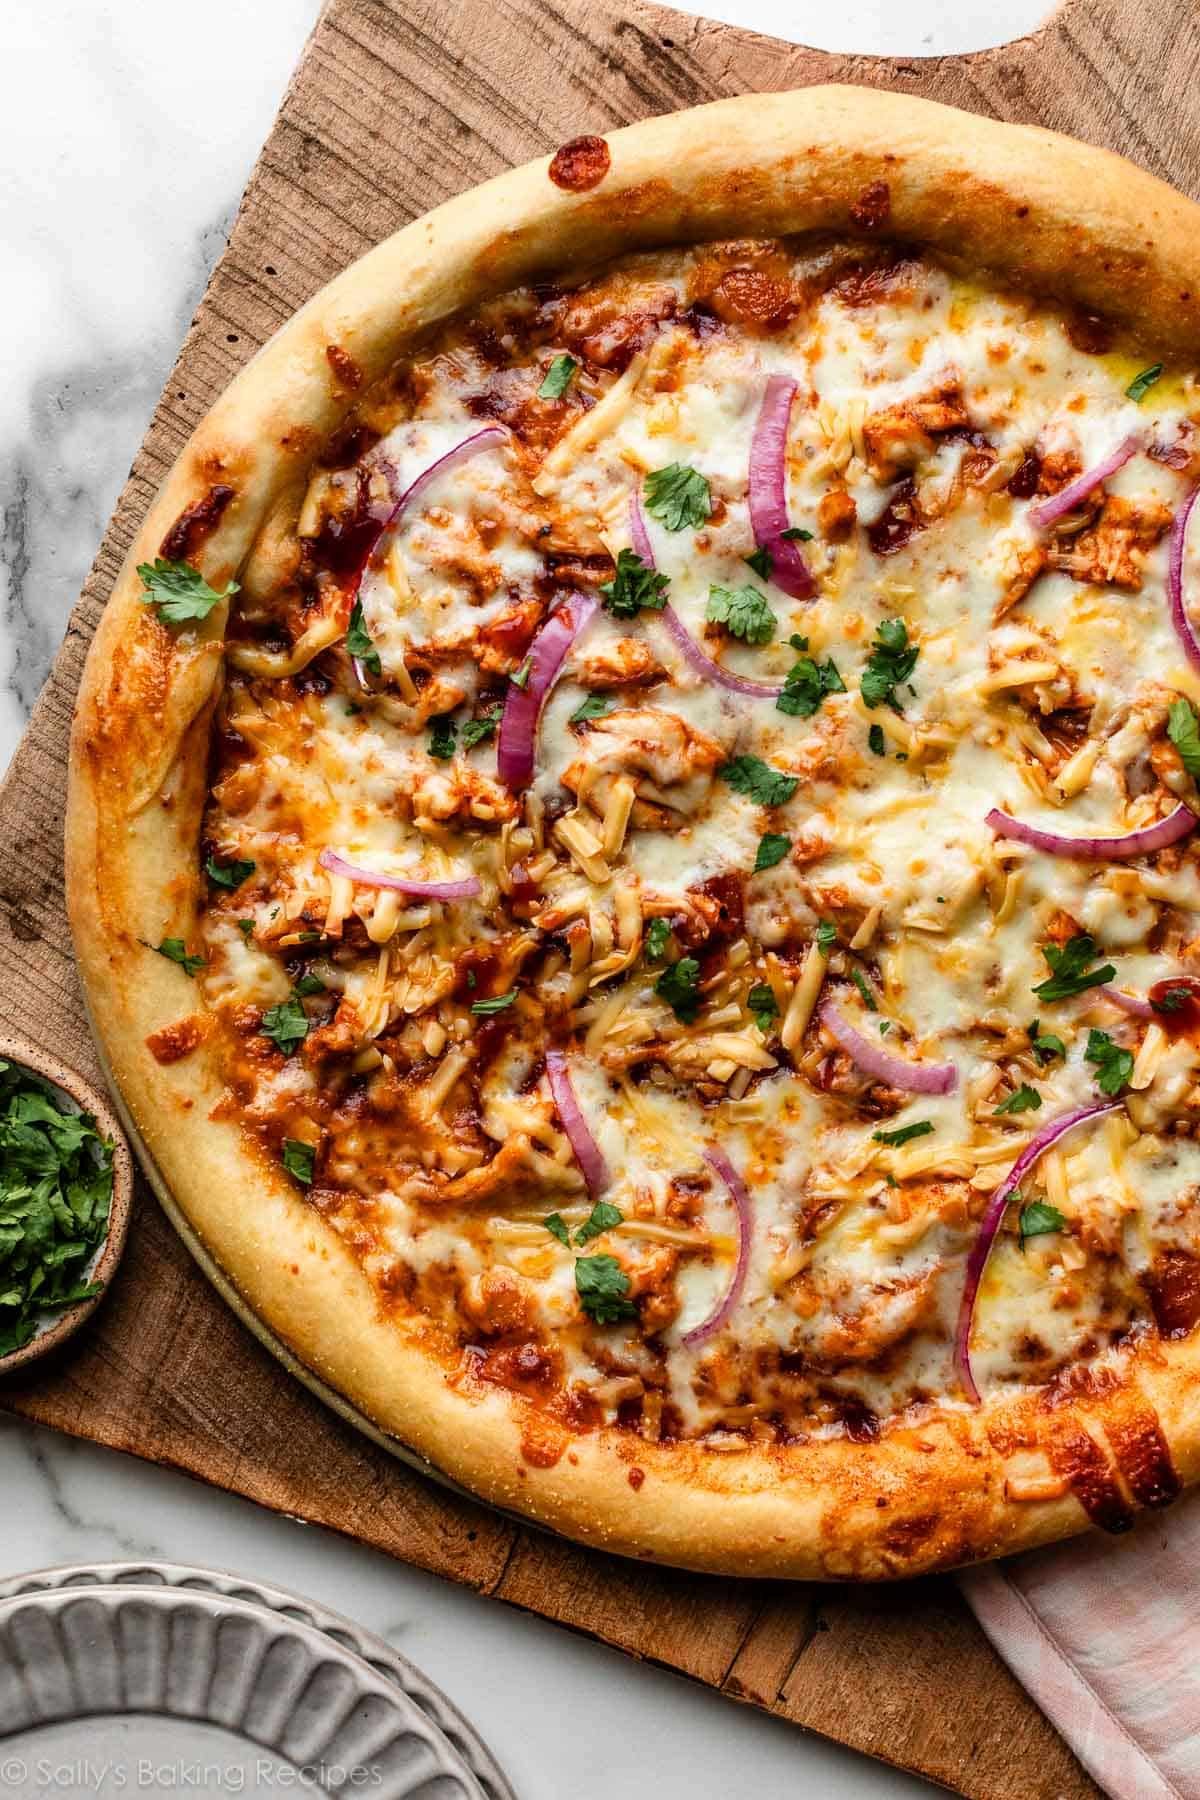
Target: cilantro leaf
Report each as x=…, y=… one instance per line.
x=677, y=496
x=478, y=731
x=1184, y=733
x=298, y=1160
x=1141, y=384
x=556, y=1225
x=360, y=643
x=1036, y=1219
x=175, y=950
x=760, y=561
x=678, y=985
x=603, y=1287
x=1113, y=1064
x=773, y=846
x=903, y=1134
x=246, y=927
x=1044, y=1044
x=593, y=707
x=634, y=586
x=179, y=592
x=307, y=985
x=443, y=735
x=286, y=1025
x=744, y=612
x=875, y=741
x=751, y=776
x=1173, y=1000
x=796, y=534
x=557, y=378
x=230, y=874
x=890, y=664
x=601, y=1218
x=498, y=1003
x=1023, y=1099
x=658, y=936
x=763, y=1005
x=826, y=936
x=806, y=685
x=1069, y=968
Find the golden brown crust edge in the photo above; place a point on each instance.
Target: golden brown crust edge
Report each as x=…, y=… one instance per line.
x=1080, y=222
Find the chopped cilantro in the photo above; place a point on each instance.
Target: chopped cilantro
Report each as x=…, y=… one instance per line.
x=521, y=678
x=1141, y=384
x=298, y=1160
x=903, y=1134
x=478, y=731
x=678, y=985
x=806, y=685
x=798, y=641
x=885, y=1025
x=1037, y=1219
x=443, y=735
x=175, y=950
x=307, y=985
x=763, y=1005
x=634, y=586
x=179, y=592
x=1173, y=1000
x=603, y=1288
x=773, y=846
x=875, y=741
x=593, y=707
x=745, y=613
x=56, y=1185
x=751, y=776
x=1113, y=1065
x=230, y=874
x=1024, y=1099
x=658, y=936
x=556, y=1225
x=677, y=496
x=1044, y=1044
x=1069, y=972
x=246, y=927
x=557, y=378
x=796, y=534
x=826, y=936
x=760, y=562
x=1184, y=733
x=497, y=1004
x=860, y=982
x=286, y=1025
x=891, y=662
x=360, y=643
x=601, y=1218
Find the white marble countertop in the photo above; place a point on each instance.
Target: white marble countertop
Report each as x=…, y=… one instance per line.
x=126, y=133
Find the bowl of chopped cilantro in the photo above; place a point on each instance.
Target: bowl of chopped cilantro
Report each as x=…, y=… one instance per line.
x=66, y=1182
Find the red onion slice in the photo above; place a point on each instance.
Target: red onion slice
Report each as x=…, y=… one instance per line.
x=1166, y=831
x=684, y=641
x=466, y=889
x=516, y=750
x=1130, y=1003
x=1180, y=618
x=720, y=1164
x=914, y=1078
x=588, y=1154
x=981, y=1249
x=1056, y=506
x=470, y=446
x=768, y=490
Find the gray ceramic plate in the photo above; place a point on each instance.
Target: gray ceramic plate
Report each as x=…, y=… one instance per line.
x=128, y=1673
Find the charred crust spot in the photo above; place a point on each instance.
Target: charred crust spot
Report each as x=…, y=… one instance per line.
x=636, y=1477
x=1144, y=1458
x=873, y=206
x=196, y=524
x=174, y=1042
x=1091, y=333
x=1077, y=1458
x=580, y=164
x=1174, y=1285
x=344, y=367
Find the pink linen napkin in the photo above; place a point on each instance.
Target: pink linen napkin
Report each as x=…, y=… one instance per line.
x=1105, y=1635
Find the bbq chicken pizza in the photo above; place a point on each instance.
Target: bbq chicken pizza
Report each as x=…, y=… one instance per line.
x=633, y=838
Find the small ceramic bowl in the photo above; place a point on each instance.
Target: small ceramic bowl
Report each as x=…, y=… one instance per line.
x=61, y=1325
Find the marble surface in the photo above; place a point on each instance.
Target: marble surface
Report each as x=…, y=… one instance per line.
x=126, y=132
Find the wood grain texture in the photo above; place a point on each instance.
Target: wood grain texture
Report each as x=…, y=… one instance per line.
x=396, y=105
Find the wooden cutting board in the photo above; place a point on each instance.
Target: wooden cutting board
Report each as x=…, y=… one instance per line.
x=397, y=104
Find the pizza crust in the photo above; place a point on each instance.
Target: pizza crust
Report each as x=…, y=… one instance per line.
x=967, y=1484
